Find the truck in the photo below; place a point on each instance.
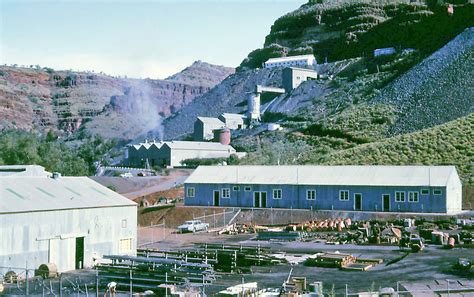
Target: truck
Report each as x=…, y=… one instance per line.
x=193, y=226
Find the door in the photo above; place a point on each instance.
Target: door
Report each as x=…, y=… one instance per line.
x=263, y=199
x=260, y=199
x=79, y=252
x=216, y=198
x=386, y=202
x=358, y=201
x=256, y=199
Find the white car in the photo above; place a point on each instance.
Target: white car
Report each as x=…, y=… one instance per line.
x=126, y=175
x=193, y=226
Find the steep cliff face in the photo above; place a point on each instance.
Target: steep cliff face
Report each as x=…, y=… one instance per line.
x=45, y=99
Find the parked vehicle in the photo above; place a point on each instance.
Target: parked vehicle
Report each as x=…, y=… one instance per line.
x=193, y=226
x=126, y=175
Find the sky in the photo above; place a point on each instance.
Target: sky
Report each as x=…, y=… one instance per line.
x=139, y=39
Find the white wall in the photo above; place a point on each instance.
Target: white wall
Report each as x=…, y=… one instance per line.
x=177, y=156
x=454, y=193
x=32, y=238
x=301, y=62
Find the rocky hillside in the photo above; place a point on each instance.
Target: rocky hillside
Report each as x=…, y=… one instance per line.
x=228, y=96
x=44, y=99
x=353, y=114
x=359, y=78
x=336, y=30
x=202, y=74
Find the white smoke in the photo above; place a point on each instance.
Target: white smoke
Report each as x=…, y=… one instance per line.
x=142, y=109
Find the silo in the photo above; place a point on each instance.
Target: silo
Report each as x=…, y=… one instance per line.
x=254, y=106
x=222, y=135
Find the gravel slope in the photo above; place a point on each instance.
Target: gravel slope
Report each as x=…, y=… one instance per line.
x=438, y=90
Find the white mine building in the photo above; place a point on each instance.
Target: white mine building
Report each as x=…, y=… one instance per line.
x=174, y=153
x=293, y=61
x=68, y=221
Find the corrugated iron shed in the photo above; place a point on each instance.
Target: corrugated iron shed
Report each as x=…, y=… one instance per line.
x=32, y=194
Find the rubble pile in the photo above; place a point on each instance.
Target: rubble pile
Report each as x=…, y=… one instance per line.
x=407, y=233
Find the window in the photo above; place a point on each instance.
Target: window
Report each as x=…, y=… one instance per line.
x=399, y=196
x=437, y=192
x=344, y=195
x=311, y=195
x=226, y=193
x=125, y=245
x=124, y=223
x=190, y=192
x=276, y=193
x=248, y=189
x=413, y=197
x=235, y=188
x=425, y=191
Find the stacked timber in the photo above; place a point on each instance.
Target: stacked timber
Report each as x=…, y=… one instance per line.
x=334, y=260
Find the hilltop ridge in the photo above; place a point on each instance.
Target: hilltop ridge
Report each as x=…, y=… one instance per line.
x=113, y=107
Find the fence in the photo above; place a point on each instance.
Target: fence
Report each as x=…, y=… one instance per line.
x=219, y=219
x=89, y=283
x=23, y=282
x=152, y=234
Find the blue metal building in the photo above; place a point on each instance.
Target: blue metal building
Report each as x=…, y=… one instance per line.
x=428, y=189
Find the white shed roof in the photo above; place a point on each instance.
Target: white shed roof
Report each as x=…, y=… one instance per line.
x=199, y=145
x=325, y=175
x=233, y=116
x=23, y=170
x=146, y=145
x=290, y=58
x=211, y=121
x=31, y=194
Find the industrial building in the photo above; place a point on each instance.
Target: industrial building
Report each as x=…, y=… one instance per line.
x=428, y=189
x=204, y=128
x=68, y=221
x=297, y=61
x=233, y=121
x=254, y=102
x=137, y=154
x=293, y=77
x=387, y=51
x=173, y=153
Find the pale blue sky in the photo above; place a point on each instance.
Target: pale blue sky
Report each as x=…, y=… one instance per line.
x=136, y=38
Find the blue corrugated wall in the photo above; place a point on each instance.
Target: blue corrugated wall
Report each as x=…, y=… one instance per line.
x=327, y=197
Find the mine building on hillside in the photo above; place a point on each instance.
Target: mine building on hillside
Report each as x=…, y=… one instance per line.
x=387, y=51
x=68, y=221
x=418, y=189
x=173, y=153
x=233, y=121
x=295, y=61
x=204, y=128
x=293, y=77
